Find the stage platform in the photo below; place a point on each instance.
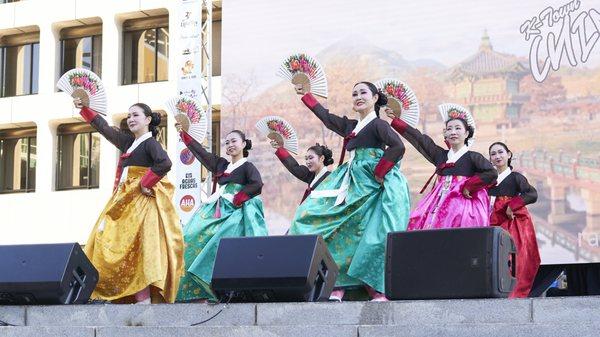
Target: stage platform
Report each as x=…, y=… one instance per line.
x=572, y=316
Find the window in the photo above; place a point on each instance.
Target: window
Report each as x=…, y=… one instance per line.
x=78, y=163
x=81, y=47
x=19, y=69
x=162, y=127
x=146, y=50
x=17, y=160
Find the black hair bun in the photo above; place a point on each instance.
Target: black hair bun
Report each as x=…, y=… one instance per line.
x=155, y=121
x=328, y=154
x=382, y=100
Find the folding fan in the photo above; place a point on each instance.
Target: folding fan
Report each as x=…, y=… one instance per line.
x=85, y=85
x=279, y=130
x=401, y=99
x=189, y=113
x=305, y=70
x=451, y=110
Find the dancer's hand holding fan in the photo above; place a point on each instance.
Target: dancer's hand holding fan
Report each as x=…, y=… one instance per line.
x=85, y=87
x=189, y=115
x=278, y=130
x=305, y=73
x=401, y=100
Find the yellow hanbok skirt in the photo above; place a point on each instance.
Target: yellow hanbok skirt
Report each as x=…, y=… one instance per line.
x=137, y=242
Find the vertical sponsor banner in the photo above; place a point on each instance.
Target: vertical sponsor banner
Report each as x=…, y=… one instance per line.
x=189, y=60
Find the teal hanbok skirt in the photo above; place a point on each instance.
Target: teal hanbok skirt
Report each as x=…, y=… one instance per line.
x=203, y=232
x=356, y=230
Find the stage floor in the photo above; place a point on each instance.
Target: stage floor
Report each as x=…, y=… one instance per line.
x=569, y=316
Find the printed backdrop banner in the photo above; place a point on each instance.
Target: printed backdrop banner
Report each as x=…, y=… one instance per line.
x=528, y=70
x=189, y=56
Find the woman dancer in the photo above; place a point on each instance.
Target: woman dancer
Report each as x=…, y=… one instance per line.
x=136, y=244
x=318, y=157
x=458, y=198
x=369, y=194
x=233, y=210
x=508, y=199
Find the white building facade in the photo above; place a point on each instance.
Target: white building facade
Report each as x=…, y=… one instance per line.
x=56, y=173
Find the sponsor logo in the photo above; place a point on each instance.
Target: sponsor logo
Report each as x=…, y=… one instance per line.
x=187, y=203
x=186, y=156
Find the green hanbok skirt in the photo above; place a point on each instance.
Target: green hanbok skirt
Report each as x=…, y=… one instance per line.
x=203, y=233
x=355, y=231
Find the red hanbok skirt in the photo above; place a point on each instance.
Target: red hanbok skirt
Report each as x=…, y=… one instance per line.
x=523, y=234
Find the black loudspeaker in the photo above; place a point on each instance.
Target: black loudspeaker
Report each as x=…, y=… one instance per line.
x=287, y=268
x=450, y=263
x=45, y=274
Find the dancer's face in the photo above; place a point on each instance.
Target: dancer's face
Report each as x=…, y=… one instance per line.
x=314, y=162
x=499, y=156
x=137, y=121
x=363, y=99
x=455, y=133
x=234, y=145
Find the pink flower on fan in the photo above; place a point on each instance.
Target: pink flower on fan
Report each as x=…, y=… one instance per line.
x=304, y=65
x=85, y=82
x=453, y=113
x=308, y=67
x=194, y=116
x=299, y=63
x=399, y=92
x=189, y=108
x=279, y=127
x=91, y=88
